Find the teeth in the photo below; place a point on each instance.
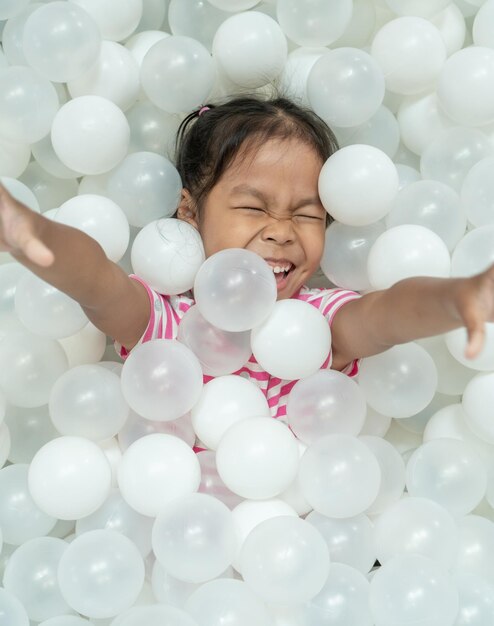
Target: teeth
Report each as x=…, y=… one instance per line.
x=278, y=269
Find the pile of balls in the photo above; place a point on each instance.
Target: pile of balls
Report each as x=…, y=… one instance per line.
x=133, y=493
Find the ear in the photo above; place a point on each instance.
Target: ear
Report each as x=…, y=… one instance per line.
x=187, y=209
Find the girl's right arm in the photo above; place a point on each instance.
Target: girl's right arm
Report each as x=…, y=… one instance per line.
x=76, y=264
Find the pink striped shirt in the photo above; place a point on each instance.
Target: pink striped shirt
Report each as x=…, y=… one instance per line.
x=167, y=311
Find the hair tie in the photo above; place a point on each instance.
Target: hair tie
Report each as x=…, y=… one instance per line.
x=203, y=110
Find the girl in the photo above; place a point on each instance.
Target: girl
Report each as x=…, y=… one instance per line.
x=250, y=173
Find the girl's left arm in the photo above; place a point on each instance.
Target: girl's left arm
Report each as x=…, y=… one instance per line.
x=411, y=309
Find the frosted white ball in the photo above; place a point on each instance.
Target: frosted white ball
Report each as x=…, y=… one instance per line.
x=352, y=174
x=477, y=193
x=421, y=8
x=411, y=53
x=101, y=219
x=116, y=20
x=420, y=117
x=417, y=251
x=90, y=134
x=451, y=25
x=257, y=458
x=224, y=401
x=250, y=48
x=474, y=253
x=69, y=477
x=477, y=399
x=234, y=5
x=167, y=254
x=156, y=469
x=316, y=23
x=482, y=25
x=293, y=342
x=456, y=342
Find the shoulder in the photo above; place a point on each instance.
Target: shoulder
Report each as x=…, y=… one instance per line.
x=328, y=301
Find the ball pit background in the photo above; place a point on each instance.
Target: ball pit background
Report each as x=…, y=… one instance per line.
x=107, y=517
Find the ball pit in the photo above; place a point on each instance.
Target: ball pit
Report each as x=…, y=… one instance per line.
x=145, y=494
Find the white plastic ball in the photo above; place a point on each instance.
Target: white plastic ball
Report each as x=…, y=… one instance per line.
x=475, y=547
x=250, y=48
x=69, y=477
x=161, y=379
x=61, y=41
x=476, y=401
x=418, y=252
x=456, y=342
x=353, y=173
x=420, y=117
x=156, y=469
x=399, y=382
x=234, y=5
x=199, y=20
x=235, y=289
x=477, y=193
x=223, y=402
x=293, y=342
x=345, y=87
x=12, y=609
x=178, y=74
x=257, y=458
x=314, y=23
x=474, y=252
x=90, y=134
x=116, y=20
x=421, y=8
x=14, y=157
x=167, y=254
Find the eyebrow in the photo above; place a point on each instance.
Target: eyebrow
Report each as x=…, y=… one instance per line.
x=257, y=193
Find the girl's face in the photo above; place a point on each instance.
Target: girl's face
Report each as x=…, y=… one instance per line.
x=267, y=201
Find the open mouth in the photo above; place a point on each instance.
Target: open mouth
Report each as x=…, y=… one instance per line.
x=281, y=272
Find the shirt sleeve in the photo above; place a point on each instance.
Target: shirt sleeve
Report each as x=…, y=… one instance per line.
x=164, y=317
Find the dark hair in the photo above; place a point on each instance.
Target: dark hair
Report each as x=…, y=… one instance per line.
x=208, y=140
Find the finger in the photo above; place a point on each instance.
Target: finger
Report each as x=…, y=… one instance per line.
x=38, y=253
x=476, y=338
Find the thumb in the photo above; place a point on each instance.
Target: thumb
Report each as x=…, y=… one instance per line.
x=38, y=253
x=476, y=338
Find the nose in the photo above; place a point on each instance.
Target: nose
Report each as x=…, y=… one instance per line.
x=279, y=230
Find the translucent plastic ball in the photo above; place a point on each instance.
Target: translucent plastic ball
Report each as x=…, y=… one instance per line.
x=477, y=193
x=14, y=157
x=101, y=574
x=146, y=186
x=420, y=8
x=412, y=589
x=178, y=74
x=194, y=538
x=154, y=615
x=161, y=379
x=46, y=157
x=350, y=540
x=257, y=458
x=456, y=342
x=69, y=478
x=116, y=20
x=90, y=134
x=114, y=76
x=451, y=25
x=28, y=104
x=4, y=443
x=452, y=153
x=156, y=469
x=223, y=402
x=87, y=401
x=151, y=129
x=249, y=513
x=476, y=401
x=250, y=49
x=235, y=289
x=339, y=476
x=45, y=310
x=199, y=20
x=20, y=518
x=86, y=346
x=345, y=87
x=474, y=252
x=293, y=79
x=167, y=254
x=399, y=382
x=10, y=8
x=12, y=611
x=328, y=402
x=482, y=25
x=293, y=342
x=346, y=250
x=285, y=560
x=51, y=192
x=476, y=598
x=227, y=600
x=21, y=192
x=449, y=472
x=417, y=525
x=169, y=590
x=211, y=483
x=29, y=366
x=31, y=574
x=219, y=351
x=234, y=5
x=411, y=53
x=431, y=204
x=136, y=427
x=140, y=44
x=316, y=23
x=61, y=41
x=464, y=86
x=475, y=548
x=115, y=514
x=418, y=251
x=420, y=118
x=65, y=620
x=344, y=599
x=353, y=173
x=392, y=473
x=101, y=219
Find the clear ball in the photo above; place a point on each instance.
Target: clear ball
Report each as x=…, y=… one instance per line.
x=314, y=23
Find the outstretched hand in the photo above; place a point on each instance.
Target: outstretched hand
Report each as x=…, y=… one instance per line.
x=475, y=305
x=18, y=233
